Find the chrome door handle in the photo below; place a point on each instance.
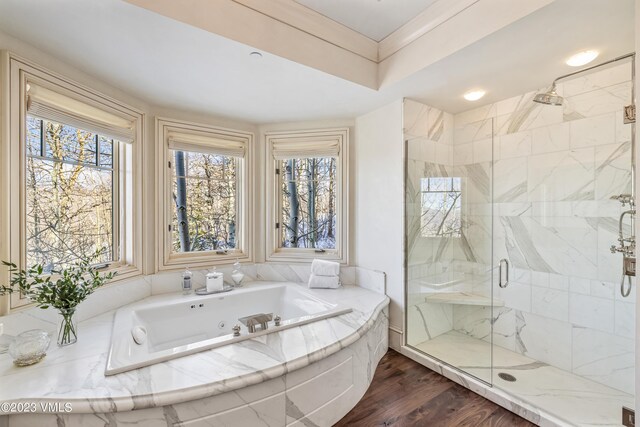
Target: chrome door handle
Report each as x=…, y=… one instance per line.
x=506, y=282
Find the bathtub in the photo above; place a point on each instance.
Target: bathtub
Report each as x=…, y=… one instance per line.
x=171, y=326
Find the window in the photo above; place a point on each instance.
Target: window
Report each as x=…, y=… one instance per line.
x=70, y=195
x=441, y=207
x=308, y=200
x=204, y=190
x=308, y=195
x=205, y=194
x=74, y=181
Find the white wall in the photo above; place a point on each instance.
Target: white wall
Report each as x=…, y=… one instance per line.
x=379, y=203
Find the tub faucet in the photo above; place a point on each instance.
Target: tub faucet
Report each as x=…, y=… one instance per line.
x=254, y=320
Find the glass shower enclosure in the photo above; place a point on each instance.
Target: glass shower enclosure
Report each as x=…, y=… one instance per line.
x=511, y=212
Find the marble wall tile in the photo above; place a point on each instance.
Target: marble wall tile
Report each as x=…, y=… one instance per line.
x=515, y=145
x=565, y=175
x=597, y=102
x=475, y=115
x=592, y=312
x=623, y=130
x=510, y=180
x=477, y=321
x=559, y=282
x=604, y=358
x=625, y=318
x=540, y=279
x=475, y=131
x=550, y=138
x=592, y=131
x=544, y=339
x=427, y=321
x=415, y=118
x=598, y=80
x=463, y=154
x=580, y=285
x=517, y=296
x=512, y=209
x=613, y=170
x=483, y=150
x=371, y=279
x=529, y=116
x=603, y=289
x=550, y=303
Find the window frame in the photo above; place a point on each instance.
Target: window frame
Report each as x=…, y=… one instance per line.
x=166, y=258
x=16, y=74
x=273, y=200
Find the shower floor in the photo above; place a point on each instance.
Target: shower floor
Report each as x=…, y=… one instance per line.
x=567, y=396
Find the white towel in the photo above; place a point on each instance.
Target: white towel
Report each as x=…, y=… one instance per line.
x=320, y=267
x=327, y=282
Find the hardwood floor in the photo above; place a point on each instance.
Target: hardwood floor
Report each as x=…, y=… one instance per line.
x=405, y=393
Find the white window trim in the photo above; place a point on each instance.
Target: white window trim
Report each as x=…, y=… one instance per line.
x=296, y=255
x=166, y=260
x=16, y=72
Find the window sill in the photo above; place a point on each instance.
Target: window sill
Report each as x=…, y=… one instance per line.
x=203, y=260
x=305, y=256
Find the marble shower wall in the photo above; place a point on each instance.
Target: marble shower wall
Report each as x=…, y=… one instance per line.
x=554, y=172
x=428, y=135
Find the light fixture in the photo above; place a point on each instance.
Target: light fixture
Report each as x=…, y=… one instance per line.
x=474, y=95
x=582, y=58
x=255, y=54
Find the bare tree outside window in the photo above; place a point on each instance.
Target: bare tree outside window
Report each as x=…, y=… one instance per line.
x=441, y=207
x=70, y=194
x=308, y=218
x=204, y=192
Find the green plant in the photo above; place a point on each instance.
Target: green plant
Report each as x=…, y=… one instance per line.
x=63, y=289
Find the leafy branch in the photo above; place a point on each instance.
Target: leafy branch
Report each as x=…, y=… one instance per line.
x=63, y=289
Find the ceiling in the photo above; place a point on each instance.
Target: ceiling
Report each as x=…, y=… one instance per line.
x=375, y=19
x=173, y=65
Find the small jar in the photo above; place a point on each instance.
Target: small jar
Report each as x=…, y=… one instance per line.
x=29, y=347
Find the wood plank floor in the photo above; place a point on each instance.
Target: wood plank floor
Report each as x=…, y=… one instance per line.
x=405, y=393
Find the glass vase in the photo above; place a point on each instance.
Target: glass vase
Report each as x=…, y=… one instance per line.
x=67, y=334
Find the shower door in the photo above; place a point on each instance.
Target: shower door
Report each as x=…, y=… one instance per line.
x=448, y=230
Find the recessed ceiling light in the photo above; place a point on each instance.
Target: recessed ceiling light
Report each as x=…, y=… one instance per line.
x=582, y=58
x=255, y=54
x=474, y=95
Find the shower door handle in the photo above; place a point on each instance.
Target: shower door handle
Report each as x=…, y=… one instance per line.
x=506, y=281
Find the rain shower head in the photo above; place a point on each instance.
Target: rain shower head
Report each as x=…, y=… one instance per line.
x=549, y=97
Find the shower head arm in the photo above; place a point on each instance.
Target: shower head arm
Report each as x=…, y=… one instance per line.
x=619, y=58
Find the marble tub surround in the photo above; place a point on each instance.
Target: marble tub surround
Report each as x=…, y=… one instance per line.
x=75, y=374
x=124, y=292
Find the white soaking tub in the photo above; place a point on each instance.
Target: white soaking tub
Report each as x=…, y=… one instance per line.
x=171, y=326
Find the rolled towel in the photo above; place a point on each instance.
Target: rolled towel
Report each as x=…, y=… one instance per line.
x=320, y=267
x=326, y=282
